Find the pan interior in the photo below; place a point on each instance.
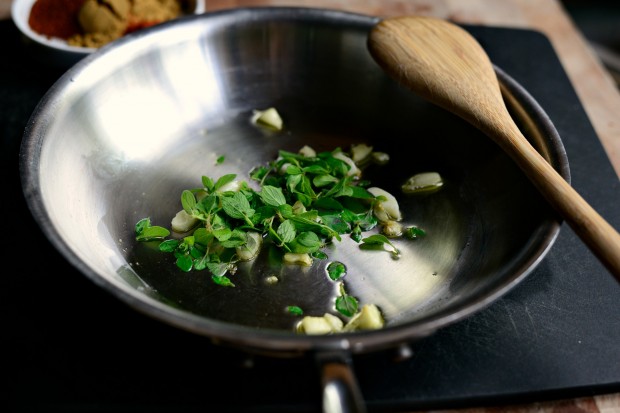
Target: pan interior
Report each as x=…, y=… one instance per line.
x=125, y=131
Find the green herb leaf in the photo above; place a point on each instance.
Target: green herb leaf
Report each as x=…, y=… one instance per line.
x=222, y=234
x=218, y=269
x=188, y=200
x=316, y=169
x=152, y=233
x=203, y=237
x=329, y=204
x=185, y=262
x=236, y=239
x=336, y=223
x=347, y=305
x=293, y=309
x=237, y=206
x=336, y=270
x=208, y=204
x=380, y=240
x=414, y=232
x=377, y=239
x=169, y=245
x=305, y=243
x=319, y=255
x=207, y=183
x=286, y=231
x=273, y=196
x=224, y=179
x=308, y=239
x=222, y=280
x=359, y=192
x=142, y=225
x=293, y=170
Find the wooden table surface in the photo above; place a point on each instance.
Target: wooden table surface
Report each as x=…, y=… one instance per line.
x=595, y=87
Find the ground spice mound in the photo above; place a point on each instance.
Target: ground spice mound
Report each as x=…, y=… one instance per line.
x=94, y=23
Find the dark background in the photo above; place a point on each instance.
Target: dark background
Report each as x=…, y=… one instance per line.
x=599, y=21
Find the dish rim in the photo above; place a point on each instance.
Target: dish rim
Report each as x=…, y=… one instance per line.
x=20, y=13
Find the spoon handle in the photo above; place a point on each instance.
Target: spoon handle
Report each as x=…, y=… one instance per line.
x=602, y=239
x=444, y=64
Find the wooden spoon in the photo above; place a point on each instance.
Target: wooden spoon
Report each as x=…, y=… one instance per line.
x=444, y=64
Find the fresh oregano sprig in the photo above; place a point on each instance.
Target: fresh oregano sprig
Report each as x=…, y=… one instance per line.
x=304, y=202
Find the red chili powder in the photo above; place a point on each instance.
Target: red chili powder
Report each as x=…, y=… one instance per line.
x=55, y=18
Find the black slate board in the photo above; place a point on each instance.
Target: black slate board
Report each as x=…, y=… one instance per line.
x=70, y=346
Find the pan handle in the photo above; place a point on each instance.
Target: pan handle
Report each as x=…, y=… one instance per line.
x=341, y=393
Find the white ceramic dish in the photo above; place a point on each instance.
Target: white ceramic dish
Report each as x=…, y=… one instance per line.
x=53, y=50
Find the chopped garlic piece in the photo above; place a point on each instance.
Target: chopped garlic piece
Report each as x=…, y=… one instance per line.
x=271, y=280
x=368, y=318
x=380, y=158
x=320, y=325
x=423, y=182
x=251, y=248
x=307, y=151
x=387, y=210
x=353, y=169
x=283, y=168
x=232, y=186
x=183, y=222
x=268, y=117
x=392, y=229
x=360, y=152
x=299, y=259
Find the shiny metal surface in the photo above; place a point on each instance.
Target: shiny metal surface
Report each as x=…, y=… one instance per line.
x=123, y=132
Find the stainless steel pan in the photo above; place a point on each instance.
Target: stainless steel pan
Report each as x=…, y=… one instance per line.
x=125, y=130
